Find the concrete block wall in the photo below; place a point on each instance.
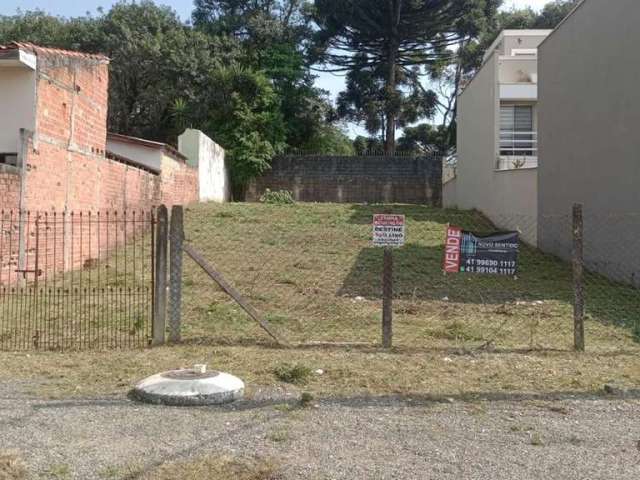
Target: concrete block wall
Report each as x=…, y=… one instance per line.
x=367, y=179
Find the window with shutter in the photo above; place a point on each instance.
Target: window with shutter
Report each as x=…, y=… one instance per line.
x=516, y=130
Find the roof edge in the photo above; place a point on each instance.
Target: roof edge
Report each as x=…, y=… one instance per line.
x=514, y=32
x=38, y=50
x=569, y=15
x=143, y=142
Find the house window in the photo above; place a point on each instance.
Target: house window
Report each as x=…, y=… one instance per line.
x=9, y=159
x=517, y=137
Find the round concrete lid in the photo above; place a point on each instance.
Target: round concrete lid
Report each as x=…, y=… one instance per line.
x=188, y=387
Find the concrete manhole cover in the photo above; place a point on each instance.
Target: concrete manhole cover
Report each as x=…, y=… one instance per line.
x=186, y=387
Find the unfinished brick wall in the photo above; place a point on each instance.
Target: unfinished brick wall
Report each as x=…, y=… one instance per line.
x=9, y=188
x=66, y=164
x=68, y=180
x=10, y=198
x=179, y=183
x=65, y=156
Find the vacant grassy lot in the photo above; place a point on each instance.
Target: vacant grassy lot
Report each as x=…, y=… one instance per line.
x=311, y=270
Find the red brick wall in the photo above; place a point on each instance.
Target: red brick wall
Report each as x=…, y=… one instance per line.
x=179, y=183
x=66, y=166
x=10, y=195
x=9, y=188
x=66, y=170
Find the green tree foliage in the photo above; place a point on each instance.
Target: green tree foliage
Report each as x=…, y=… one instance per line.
x=365, y=98
x=243, y=113
x=424, y=139
x=239, y=75
x=274, y=36
x=449, y=75
x=394, y=40
x=368, y=145
x=549, y=17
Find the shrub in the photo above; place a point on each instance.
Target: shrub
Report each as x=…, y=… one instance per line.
x=281, y=197
x=297, y=374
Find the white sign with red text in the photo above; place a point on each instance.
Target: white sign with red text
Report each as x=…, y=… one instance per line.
x=388, y=230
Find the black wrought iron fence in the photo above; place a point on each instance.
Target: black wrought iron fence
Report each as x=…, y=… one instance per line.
x=76, y=280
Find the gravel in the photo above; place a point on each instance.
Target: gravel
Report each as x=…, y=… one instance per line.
x=349, y=438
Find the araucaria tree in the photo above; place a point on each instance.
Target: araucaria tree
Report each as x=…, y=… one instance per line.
x=390, y=45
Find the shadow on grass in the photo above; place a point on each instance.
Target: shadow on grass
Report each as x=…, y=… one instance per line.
x=418, y=275
x=541, y=277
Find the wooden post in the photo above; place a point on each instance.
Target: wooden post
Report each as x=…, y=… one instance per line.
x=578, y=278
x=176, y=236
x=160, y=280
x=387, y=298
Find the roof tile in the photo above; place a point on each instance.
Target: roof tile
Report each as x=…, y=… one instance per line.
x=38, y=50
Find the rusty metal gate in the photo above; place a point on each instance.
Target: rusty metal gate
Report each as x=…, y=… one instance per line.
x=74, y=281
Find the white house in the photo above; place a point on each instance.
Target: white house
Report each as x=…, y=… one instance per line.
x=497, y=153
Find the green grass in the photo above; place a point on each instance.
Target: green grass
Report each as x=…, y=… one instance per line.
x=311, y=270
x=102, y=303
x=296, y=374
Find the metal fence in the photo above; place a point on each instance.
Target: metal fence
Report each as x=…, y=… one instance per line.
x=312, y=271
x=80, y=281
x=76, y=280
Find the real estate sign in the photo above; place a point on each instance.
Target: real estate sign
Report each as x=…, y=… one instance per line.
x=495, y=254
x=388, y=230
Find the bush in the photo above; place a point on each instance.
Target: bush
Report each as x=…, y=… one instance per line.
x=297, y=374
x=281, y=197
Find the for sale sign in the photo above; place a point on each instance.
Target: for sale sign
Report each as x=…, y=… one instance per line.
x=495, y=254
x=388, y=230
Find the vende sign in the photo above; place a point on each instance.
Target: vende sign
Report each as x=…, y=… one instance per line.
x=388, y=230
x=491, y=254
x=452, y=249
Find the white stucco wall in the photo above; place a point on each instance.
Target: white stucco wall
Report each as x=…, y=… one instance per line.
x=17, y=105
x=209, y=158
x=508, y=198
x=477, y=139
x=589, y=112
x=146, y=156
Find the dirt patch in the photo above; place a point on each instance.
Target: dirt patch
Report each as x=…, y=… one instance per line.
x=215, y=468
x=12, y=467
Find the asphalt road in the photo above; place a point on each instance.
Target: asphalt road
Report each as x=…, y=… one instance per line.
x=346, y=438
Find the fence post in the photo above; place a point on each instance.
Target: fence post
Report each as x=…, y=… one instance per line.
x=578, y=278
x=160, y=281
x=387, y=298
x=176, y=236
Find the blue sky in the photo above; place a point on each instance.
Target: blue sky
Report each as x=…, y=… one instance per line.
x=183, y=7
x=70, y=8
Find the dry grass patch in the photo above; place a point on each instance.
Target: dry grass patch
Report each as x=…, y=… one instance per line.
x=12, y=467
x=345, y=373
x=312, y=272
x=215, y=468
